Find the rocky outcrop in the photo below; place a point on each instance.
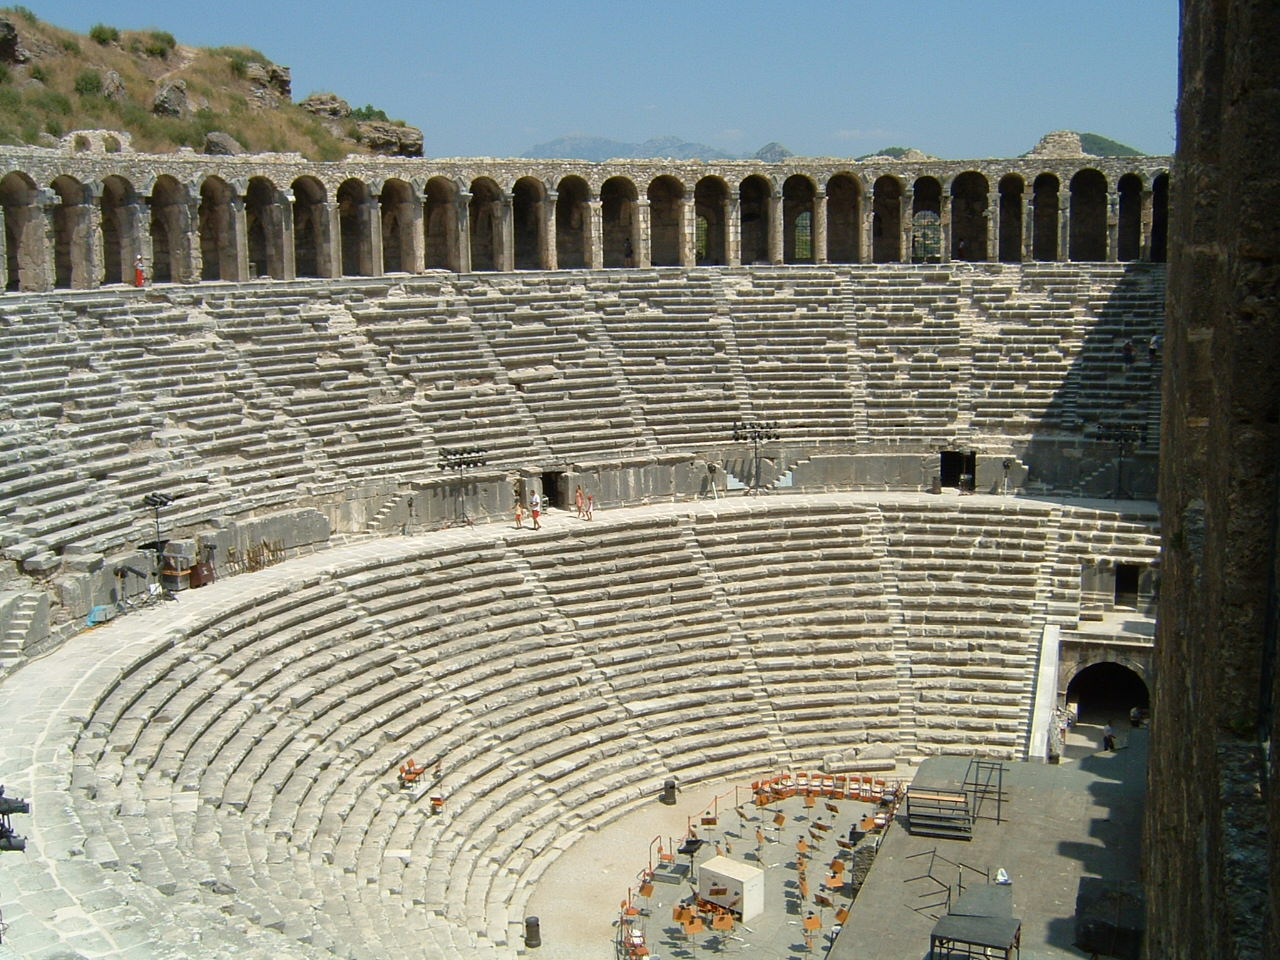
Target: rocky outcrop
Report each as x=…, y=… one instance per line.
x=1058, y=143
x=112, y=86
x=327, y=106
x=270, y=85
x=11, y=49
x=220, y=144
x=171, y=99
x=391, y=139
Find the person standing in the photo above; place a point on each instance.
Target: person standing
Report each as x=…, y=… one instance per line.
x=519, y=514
x=139, y=276
x=535, y=508
x=579, y=502
x=1108, y=737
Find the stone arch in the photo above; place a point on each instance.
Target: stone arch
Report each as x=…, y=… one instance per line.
x=753, y=211
x=1106, y=690
x=886, y=220
x=619, y=223
x=926, y=220
x=355, y=234
x=216, y=225
x=312, y=255
x=119, y=211
x=1011, y=202
x=573, y=218
x=485, y=215
x=666, y=197
x=400, y=215
x=23, y=233
x=711, y=238
x=1129, y=217
x=1044, y=222
x=969, y=216
x=71, y=227
x=1159, y=217
x=528, y=222
x=264, y=229
x=1087, y=225
x=169, y=229
x=441, y=221
x=844, y=219
x=798, y=193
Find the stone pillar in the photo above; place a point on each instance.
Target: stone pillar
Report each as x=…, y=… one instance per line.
x=1144, y=215
x=905, y=226
x=94, y=246
x=135, y=238
x=775, y=227
x=595, y=234
x=239, y=241
x=35, y=256
x=1029, y=227
x=820, y=227
x=1064, y=228
x=866, y=249
x=464, y=231
x=642, y=234
x=413, y=236
x=993, y=227
x=688, y=231
x=370, y=220
x=505, y=241
x=944, y=220
x=329, y=240
x=288, y=251
x=733, y=230
x=547, y=257
x=1113, y=225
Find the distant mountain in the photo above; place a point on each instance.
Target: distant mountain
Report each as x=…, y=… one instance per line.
x=602, y=148
x=772, y=152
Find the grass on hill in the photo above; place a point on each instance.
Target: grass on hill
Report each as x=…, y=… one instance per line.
x=61, y=89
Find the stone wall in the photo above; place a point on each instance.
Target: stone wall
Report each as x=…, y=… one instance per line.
x=1213, y=818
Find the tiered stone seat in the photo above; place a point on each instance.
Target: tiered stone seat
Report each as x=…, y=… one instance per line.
x=966, y=579
x=806, y=587
x=911, y=348
x=545, y=342
x=792, y=339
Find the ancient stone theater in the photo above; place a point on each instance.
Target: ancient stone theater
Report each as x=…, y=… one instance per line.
x=378, y=532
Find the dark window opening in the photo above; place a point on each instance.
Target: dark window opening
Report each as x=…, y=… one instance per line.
x=958, y=468
x=1126, y=594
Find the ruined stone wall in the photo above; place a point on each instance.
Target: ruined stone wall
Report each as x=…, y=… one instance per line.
x=1213, y=819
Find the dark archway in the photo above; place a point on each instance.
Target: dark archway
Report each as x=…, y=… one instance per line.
x=666, y=196
x=1044, y=226
x=1159, y=218
x=310, y=229
x=399, y=226
x=264, y=228
x=169, y=221
x=618, y=218
x=118, y=207
x=710, y=200
x=926, y=221
x=354, y=202
x=527, y=197
x=217, y=233
x=441, y=224
x=22, y=230
x=70, y=233
x=1129, y=218
x=1087, y=229
x=1011, y=189
x=753, y=211
x=572, y=220
x=1106, y=692
x=486, y=225
x=969, y=216
x=886, y=220
x=798, y=194
x=844, y=219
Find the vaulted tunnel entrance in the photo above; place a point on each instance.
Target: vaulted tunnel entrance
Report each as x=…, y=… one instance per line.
x=1106, y=692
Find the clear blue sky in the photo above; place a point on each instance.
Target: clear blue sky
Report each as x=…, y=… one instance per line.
x=956, y=78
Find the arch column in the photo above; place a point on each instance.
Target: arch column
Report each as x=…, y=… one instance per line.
x=905, y=225
x=506, y=227
x=288, y=255
x=329, y=256
x=820, y=226
x=866, y=249
x=39, y=236
x=993, y=225
x=1144, y=220
x=733, y=230
x=413, y=254
x=1113, y=225
x=595, y=233
x=94, y=246
x=547, y=232
x=1029, y=226
x=688, y=231
x=1064, y=227
x=135, y=237
x=642, y=234
x=462, y=216
x=944, y=224
x=775, y=227
x=239, y=239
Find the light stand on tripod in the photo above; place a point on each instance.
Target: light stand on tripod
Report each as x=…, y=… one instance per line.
x=459, y=460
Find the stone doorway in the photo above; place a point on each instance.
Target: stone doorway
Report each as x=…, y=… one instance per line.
x=1106, y=692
